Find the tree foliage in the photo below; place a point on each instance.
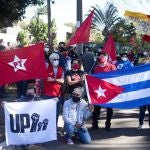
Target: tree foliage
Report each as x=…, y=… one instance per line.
x=38, y=30
x=14, y=10
x=105, y=19
x=22, y=38
x=123, y=31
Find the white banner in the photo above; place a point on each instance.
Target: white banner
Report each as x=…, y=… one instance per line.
x=30, y=122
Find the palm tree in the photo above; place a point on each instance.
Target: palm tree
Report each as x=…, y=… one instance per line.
x=104, y=20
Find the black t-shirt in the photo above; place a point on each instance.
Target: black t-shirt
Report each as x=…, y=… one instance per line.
x=74, y=75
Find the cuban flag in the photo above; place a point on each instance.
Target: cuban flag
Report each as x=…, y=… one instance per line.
x=123, y=89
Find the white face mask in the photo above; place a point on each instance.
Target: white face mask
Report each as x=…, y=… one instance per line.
x=56, y=50
x=124, y=59
x=145, y=53
x=46, y=49
x=55, y=63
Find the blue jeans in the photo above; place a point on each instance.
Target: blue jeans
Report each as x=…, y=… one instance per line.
x=59, y=105
x=81, y=132
x=142, y=114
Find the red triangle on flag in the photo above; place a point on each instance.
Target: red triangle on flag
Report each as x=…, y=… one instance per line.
x=100, y=91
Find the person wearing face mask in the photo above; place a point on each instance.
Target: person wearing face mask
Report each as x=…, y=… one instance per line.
x=75, y=112
x=74, y=77
x=53, y=83
x=145, y=60
x=124, y=62
x=47, y=52
x=102, y=66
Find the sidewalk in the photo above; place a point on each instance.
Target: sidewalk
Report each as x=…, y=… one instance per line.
x=123, y=136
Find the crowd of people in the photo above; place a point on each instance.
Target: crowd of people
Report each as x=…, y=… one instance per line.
x=66, y=74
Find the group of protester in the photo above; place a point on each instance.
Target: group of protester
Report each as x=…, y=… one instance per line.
x=65, y=81
x=64, y=66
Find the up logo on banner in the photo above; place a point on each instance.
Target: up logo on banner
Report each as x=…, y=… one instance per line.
x=20, y=122
x=30, y=122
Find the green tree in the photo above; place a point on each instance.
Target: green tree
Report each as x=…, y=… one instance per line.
x=13, y=10
x=105, y=19
x=43, y=35
x=38, y=30
x=53, y=31
x=123, y=31
x=22, y=38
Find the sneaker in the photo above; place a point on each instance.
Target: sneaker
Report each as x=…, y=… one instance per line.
x=139, y=127
x=69, y=142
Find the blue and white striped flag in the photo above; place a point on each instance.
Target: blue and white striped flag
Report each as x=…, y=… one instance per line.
x=122, y=89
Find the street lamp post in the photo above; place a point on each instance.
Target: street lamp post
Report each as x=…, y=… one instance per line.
x=79, y=21
x=38, y=25
x=49, y=21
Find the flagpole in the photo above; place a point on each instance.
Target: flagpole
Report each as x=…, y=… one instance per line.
x=79, y=21
x=49, y=21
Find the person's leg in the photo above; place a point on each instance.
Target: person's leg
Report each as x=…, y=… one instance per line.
x=69, y=129
x=149, y=113
x=59, y=106
x=95, y=117
x=24, y=88
x=142, y=114
x=1, y=94
x=84, y=135
x=19, y=85
x=108, y=118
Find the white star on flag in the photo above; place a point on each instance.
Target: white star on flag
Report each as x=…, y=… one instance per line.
x=100, y=92
x=18, y=63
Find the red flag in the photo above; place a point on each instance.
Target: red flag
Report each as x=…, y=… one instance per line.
x=110, y=49
x=146, y=38
x=22, y=64
x=82, y=34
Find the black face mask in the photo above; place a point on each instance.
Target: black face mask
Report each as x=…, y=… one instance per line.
x=75, y=99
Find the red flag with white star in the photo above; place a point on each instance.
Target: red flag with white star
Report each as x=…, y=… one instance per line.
x=22, y=64
x=100, y=91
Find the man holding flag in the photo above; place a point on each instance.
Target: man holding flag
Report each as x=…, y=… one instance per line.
x=102, y=66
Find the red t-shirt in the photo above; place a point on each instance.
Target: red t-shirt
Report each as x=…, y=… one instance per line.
x=107, y=68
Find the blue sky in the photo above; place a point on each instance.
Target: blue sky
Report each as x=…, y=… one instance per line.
x=64, y=11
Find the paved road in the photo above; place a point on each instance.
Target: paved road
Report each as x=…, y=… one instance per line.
x=123, y=136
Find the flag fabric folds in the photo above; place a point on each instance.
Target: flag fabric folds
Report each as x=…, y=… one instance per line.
x=123, y=89
x=22, y=64
x=141, y=21
x=82, y=34
x=137, y=15
x=110, y=49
